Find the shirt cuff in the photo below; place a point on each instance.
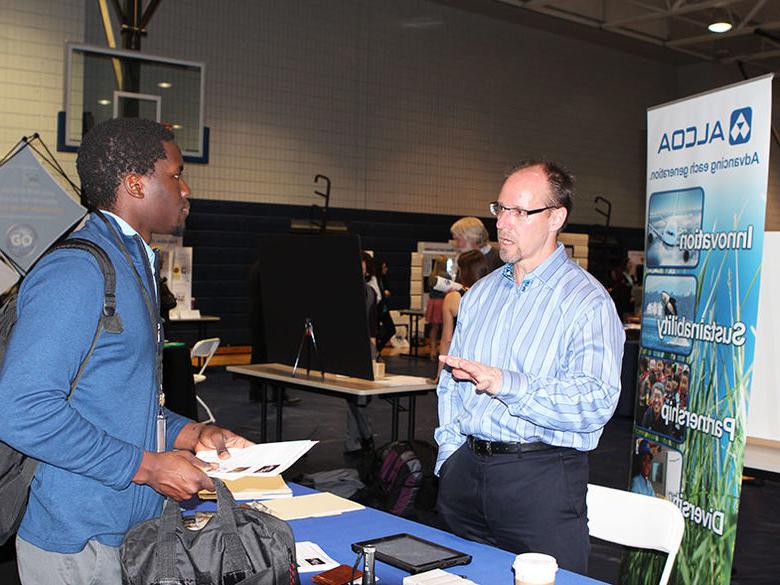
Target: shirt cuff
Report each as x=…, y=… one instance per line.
x=174, y=423
x=131, y=469
x=514, y=387
x=445, y=451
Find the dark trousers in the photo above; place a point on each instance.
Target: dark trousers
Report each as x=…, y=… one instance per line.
x=523, y=502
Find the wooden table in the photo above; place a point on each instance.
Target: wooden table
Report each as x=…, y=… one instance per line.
x=279, y=376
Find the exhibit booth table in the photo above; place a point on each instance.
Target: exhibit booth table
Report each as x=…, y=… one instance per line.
x=335, y=534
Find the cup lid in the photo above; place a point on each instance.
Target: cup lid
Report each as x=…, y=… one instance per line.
x=535, y=567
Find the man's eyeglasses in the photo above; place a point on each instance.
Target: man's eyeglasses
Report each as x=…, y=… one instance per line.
x=496, y=209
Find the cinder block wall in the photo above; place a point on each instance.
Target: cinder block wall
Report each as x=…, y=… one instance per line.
x=408, y=106
x=32, y=40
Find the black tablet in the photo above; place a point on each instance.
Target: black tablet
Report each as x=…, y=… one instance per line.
x=413, y=554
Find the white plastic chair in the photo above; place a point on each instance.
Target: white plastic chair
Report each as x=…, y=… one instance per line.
x=204, y=350
x=637, y=521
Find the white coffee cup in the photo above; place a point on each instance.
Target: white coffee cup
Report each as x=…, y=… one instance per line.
x=535, y=569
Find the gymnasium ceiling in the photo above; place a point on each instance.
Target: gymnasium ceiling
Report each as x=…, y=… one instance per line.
x=672, y=30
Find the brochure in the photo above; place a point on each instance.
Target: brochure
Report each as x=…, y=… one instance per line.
x=265, y=459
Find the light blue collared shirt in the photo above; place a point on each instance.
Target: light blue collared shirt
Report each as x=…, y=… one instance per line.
x=130, y=231
x=558, y=341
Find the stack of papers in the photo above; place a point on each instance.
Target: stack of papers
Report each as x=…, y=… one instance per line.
x=266, y=459
x=253, y=487
x=309, y=506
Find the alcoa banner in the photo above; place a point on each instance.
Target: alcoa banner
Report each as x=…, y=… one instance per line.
x=707, y=171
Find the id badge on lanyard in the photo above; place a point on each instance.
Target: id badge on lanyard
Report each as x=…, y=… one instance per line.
x=160, y=426
x=161, y=431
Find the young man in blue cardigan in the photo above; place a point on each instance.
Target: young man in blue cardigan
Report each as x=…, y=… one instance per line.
x=101, y=468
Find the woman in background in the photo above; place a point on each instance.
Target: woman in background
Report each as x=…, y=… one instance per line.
x=433, y=307
x=386, y=328
x=472, y=266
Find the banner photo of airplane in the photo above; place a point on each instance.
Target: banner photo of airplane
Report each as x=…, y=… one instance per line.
x=670, y=214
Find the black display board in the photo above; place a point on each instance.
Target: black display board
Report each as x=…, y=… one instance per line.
x=317, y=277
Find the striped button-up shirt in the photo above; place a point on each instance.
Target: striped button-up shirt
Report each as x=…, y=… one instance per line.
x=559, y=344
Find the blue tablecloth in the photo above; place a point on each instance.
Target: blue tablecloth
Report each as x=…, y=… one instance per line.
x=335, y=534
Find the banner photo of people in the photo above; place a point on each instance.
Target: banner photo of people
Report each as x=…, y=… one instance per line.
x=707, y=173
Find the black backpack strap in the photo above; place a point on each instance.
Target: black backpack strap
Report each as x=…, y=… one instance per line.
x=109, y=321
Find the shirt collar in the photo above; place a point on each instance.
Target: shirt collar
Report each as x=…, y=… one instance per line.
x=544, y=272
x=130, y=231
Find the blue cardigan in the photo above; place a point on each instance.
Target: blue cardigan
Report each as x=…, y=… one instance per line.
x=91, y=445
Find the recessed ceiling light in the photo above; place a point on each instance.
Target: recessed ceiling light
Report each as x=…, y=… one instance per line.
x=176, y=126
x=422, y=22
x=104, y=102
x=165, y=84
x=720, y=26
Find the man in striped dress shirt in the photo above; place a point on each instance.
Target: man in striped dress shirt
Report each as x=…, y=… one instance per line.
x=532, y=377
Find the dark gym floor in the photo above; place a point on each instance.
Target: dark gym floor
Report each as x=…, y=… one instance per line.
x=320, y=418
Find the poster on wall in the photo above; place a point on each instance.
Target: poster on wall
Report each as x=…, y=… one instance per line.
x=707, y=172
x=34, y=209
x=176, y=270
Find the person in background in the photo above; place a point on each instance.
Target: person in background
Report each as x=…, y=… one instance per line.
x=102, y=469
x=384, y=269
x=386, y=328
x=433, y=308
x=472, y=266
x=370, y=274
x=469, y=233
x=360, y=432
x=167, y=299
x=620, y=287
x=532, y=377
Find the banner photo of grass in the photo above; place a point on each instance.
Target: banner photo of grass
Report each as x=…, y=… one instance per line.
x=707, y=172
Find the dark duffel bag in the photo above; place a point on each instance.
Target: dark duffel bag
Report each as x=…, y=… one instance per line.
x=237, y=545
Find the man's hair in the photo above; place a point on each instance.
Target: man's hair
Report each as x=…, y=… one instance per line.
x=472, y=230
x=111, y=150
x=560, y=179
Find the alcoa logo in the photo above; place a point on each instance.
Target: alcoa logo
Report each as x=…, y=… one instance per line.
x=739, y=129
x=739, y=132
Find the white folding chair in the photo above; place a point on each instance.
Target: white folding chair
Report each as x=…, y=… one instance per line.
x=637, y=521
x=204, y=350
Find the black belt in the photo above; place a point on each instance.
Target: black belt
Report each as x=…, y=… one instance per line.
x=481, y=447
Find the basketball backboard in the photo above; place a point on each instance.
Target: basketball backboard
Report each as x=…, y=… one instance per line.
x=103, y=83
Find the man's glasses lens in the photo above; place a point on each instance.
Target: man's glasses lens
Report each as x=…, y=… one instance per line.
x=496, y=208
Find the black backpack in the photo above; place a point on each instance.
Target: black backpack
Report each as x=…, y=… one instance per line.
x=16, y=469
x=401, y=478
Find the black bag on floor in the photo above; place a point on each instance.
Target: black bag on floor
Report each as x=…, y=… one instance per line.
x=237, y=545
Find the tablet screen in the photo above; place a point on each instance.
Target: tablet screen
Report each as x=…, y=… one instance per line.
x=414, y=554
